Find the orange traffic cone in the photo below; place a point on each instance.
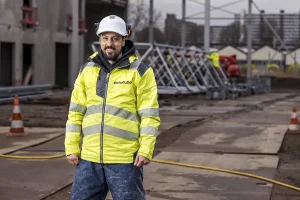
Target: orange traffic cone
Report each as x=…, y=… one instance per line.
x=16, y=128
x=294, y=124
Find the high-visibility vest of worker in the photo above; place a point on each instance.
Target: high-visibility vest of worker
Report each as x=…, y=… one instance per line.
x=225, y=63
x=214, y=57
x=114, y=111
x=215, y=60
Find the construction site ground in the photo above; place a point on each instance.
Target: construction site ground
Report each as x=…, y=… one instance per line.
x=247, y=134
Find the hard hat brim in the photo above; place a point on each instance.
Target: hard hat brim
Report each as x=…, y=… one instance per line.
x=99, y=32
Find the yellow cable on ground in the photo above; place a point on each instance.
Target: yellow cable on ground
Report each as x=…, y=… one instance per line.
x=32, y=157
x=172, y=163
x=227, y=171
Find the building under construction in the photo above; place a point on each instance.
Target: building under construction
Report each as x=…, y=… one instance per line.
x=37, y=40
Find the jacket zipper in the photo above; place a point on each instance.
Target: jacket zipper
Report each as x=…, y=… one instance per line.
x=102, y=123
x=103, y=113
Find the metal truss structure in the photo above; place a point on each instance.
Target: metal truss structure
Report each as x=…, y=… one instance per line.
x=181, y=70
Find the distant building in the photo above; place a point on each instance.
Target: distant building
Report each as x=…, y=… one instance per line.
x=215, y=35
x=287, y=26
x=230, y=50
x=267, y=55
x=194, y=33
x=261, y=57
x=293, y=58
x=36, y=38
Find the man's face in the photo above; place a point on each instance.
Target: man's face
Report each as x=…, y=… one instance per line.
x=111, y=45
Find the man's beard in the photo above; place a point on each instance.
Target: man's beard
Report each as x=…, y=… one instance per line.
x=111, y=56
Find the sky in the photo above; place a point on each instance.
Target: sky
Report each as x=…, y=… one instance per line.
x=270, y=6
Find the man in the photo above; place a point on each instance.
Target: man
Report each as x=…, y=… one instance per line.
x=114, y=109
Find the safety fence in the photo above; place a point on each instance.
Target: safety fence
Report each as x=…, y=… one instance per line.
x=181, y=70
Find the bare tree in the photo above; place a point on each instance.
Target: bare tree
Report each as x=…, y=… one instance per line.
x=138, y=17
x=143, y=35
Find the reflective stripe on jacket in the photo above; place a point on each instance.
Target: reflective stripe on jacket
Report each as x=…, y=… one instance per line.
x=116, y=113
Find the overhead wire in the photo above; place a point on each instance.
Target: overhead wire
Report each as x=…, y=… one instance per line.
x=221, y=9
x=215, y=7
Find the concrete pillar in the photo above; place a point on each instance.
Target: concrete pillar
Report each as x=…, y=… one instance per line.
x=75, y=66
x=82, y=43
x=18, y=62
x=262, y=27
x=299, y=26
x=151, y=39
x=33, y=3
x=249, y=40
x=82, y=6
x=281, y=25
x=183, y=27
x=207, y=26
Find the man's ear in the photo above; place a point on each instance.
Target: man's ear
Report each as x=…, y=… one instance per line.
x=129, y=31
x=96, y=26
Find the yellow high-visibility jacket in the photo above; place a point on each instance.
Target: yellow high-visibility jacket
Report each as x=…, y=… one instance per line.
x=215, y=59
x=114, y=109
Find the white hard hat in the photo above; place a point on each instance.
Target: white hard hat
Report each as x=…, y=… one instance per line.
x=112, y=23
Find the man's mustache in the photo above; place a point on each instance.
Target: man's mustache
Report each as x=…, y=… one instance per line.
x=110, y=48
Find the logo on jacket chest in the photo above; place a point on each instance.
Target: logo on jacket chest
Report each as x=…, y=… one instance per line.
x=123, y=82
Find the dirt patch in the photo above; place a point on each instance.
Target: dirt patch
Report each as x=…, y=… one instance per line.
x=288, y=170
x=37, y=115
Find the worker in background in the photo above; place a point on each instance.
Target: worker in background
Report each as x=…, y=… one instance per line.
x=214, y=57
x=114, y=109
